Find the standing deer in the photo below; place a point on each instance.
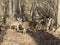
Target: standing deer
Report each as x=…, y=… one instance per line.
x=23, y=25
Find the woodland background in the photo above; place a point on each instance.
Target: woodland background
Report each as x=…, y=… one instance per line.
x=30, y=11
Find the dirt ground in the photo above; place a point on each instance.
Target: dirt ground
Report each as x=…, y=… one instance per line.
x=14, y=38
x=32, y=38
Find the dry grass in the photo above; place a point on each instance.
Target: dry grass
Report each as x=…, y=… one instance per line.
x=14, y=38
x=31, y=38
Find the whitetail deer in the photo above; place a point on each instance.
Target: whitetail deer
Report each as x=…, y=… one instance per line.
x=25, y=25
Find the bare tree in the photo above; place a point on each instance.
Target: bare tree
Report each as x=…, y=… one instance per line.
x=5, y=11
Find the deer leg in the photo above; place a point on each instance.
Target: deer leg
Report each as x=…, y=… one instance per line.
x=17, y=29
x=24, y=31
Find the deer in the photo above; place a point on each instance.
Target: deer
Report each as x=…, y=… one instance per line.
x=24, y=25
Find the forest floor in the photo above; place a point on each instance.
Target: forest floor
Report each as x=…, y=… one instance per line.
x=15, y=38
x=31, y=38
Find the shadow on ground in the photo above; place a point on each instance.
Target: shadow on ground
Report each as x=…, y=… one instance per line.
x=44, y=38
